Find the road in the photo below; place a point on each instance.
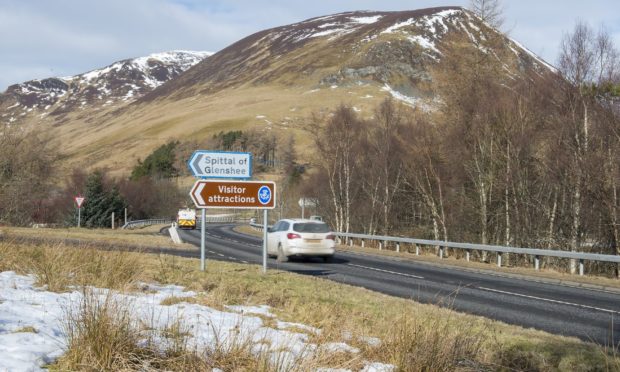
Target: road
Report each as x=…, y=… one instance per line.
x=591, y=315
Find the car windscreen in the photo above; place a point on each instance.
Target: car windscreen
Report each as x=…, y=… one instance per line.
x=311, y=227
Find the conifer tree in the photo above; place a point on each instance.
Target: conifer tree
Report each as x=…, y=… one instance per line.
x=100, y=203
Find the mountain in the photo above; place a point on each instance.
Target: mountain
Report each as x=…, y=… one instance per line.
x=270, y=81
x=122, y=81
x=391, y=49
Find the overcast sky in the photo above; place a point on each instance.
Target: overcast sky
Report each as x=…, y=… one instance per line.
x=44, y=38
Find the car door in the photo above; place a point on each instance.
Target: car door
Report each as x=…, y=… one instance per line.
x=272, y=239
x=282, y=231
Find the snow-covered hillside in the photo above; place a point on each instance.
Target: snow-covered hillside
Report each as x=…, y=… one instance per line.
x=122, y=81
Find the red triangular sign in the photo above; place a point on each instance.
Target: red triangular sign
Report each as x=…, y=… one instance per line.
x=79, y=200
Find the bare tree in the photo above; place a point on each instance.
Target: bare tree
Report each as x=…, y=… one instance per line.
x=28, y=166
x=338, y=143
x=586, y=60
x=490, y=11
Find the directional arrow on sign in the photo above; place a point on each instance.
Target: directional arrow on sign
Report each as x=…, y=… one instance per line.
x=194, y=163
x=197, y=193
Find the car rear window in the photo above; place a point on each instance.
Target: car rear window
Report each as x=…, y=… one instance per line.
x=311, y=227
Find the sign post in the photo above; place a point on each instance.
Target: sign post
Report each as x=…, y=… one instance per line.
x=79, y=200
x=265, y=224
x=203, y=231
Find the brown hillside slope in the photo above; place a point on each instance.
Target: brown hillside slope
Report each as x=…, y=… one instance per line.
x=276, y=78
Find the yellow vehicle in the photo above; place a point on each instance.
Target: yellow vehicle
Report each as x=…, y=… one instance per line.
x=186, y=218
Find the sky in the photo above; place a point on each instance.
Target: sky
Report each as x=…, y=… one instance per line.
x=45, y=38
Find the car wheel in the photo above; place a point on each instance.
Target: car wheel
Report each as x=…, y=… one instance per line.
x=281, y=256
x=328, y=259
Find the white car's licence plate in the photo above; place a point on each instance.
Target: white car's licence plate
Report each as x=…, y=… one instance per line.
x=312, y=240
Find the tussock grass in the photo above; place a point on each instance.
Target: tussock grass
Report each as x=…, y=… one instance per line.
x=57, y=267
x=173, y=300
x=101, y=337
x=432, y=343
x=27, y=329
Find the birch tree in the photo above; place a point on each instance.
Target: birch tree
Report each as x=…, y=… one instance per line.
x=338, y=143
x=586, y=60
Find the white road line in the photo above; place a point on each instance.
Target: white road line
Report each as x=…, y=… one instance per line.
x=244, y=262
x=221, y=255
x=550, y=300
x=231, y=258
x=387, y=271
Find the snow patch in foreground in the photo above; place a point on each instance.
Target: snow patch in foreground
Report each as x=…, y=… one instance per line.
x=24, y=308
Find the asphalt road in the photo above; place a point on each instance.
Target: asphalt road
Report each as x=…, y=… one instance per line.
x=591, y=315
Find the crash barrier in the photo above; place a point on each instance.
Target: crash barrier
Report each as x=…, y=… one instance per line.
x=142, y=223
x=229, y=218
x=468, y=247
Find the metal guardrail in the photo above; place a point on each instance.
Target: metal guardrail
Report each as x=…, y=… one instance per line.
x=160, y=221
x=219, y=219
x=468, y=247
x=258, y=226
x=142, y=223
x=536, y=253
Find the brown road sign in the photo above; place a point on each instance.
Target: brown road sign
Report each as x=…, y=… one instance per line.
x=234, y=194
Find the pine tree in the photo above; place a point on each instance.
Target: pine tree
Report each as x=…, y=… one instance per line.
x=100, y=203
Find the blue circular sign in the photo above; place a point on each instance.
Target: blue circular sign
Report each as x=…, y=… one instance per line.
x=264, y=195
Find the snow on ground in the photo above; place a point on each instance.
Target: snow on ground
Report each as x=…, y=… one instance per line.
x=32, y=332
x=410, y=101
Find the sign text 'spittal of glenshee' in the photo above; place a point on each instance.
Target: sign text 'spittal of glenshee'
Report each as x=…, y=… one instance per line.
x=215, y=164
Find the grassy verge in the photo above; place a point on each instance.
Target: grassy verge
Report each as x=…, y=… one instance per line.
x=147, y=237
x=413, y=336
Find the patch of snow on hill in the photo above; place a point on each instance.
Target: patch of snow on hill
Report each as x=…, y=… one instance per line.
x=366, y=20
x=434, y=24
x=437, y=19
x=399, y=25
x=424, y=42
x=337, y=29
x=399, y=96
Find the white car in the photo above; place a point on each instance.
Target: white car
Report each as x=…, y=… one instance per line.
x=300, y=238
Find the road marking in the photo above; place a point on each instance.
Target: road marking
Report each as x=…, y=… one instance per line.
x=550, y=300
x=387, y=271
x=231, y=258
x=244, y=262
x=221, y=255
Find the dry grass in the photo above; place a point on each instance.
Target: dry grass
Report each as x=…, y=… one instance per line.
x=58, y=267
x=147, y=236
x=103, y=336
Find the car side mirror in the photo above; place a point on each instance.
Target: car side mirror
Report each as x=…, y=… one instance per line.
x=269, y=229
